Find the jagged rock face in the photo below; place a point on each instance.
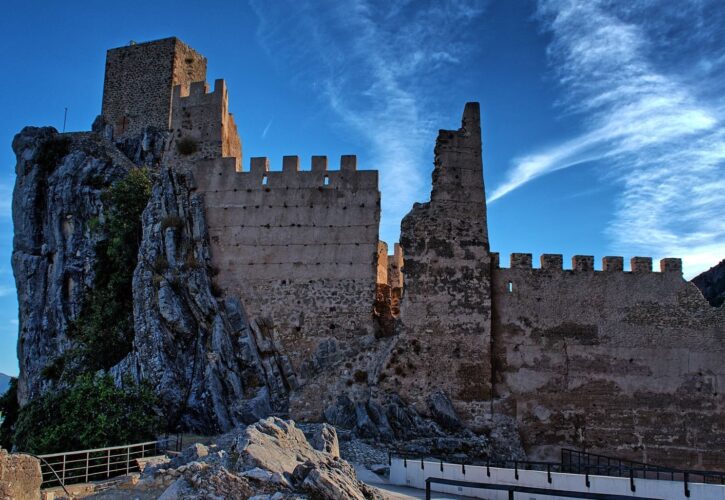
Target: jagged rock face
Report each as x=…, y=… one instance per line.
x=712, y=284
x=211, y=367
x=60, y=179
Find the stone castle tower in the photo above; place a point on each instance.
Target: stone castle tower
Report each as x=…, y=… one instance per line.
x=607, y=359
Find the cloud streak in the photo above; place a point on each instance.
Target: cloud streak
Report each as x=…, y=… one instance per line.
x=377, y=65
x=659, y=131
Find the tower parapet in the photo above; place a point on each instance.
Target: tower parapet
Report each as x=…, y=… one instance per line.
x=138, y=83
x=201, y=125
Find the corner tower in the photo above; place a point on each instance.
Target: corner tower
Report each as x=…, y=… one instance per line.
x=139, y=82
x=446, y=306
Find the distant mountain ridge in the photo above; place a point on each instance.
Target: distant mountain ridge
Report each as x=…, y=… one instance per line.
x=712, y=284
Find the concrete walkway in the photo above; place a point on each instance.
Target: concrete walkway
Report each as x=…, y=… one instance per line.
x=394, y=492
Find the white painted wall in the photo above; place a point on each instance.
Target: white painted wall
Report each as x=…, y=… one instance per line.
x=414, y=476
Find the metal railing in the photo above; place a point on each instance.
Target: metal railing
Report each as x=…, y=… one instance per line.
x=82, y=466
x=576, y=461
x=511, y=489
x=615, y=468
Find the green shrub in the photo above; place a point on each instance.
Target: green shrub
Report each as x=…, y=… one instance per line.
x=52, y=152
x=173, y=221
x=9, y=408
x=93, y=413
x=54, y=369
x=187, y=146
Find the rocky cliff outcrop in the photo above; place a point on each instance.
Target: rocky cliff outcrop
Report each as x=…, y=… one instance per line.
x=211, y=366
x=271, y=458
x=712, y=284
x=57, y=197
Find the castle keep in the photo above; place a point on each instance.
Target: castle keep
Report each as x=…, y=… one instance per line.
x=629, y=362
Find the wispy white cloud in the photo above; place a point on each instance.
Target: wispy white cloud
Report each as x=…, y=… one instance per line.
x=377, y=65
x=659, y=130
x=266, y=129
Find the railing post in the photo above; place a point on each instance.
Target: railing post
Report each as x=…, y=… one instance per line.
x=586, y=478
x=441, y=465
x=631, y=480
x=88, y=456
x=422, y=467
x=511, y=494
x=687, y=486
x=63, y=468
x=548, y=473
x=128, y=459
x=488, y=467
x=516, y=469
x=463, y=468
x=427, y=489
x=108, y=463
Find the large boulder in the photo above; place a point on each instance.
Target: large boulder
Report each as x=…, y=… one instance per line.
x=20, y=476
x=325, y=439
x=280, y=447
x=441, y=409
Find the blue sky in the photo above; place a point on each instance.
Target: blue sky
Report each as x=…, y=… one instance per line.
x=602, y=121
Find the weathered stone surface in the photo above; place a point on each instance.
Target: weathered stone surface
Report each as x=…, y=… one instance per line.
x=20, y=476
x=442, y=411
x=622, y=369
x=445, y=313
x=212, y=368
x=325, y=439
x=57, y=196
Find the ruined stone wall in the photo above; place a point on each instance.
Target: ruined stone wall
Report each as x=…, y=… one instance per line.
x=201, y=125
x=623, y=363
x=139, y=80
x=446, y=306
x=299, y=247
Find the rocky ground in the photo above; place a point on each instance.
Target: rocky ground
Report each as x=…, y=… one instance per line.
x=269, y=460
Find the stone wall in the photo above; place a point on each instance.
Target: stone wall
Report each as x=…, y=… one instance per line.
x=298, y=247
x=446, y=306
x=139, y=80
x=623, y=363
x=201, y=125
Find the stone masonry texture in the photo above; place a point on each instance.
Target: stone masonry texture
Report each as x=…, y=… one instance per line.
x=626, y=362
x=139, y=82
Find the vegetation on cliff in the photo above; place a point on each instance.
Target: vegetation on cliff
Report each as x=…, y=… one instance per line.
x=86, y=410
x=93, y=413
x=105, y=325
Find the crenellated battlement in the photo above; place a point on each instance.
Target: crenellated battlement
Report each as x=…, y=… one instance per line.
x=197, y=93
x=201, y=125
x=585, y=263
x=221, y=175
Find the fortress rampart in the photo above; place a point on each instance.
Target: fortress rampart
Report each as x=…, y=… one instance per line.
x=628, y=362
x=298, y=246
x=613, y=360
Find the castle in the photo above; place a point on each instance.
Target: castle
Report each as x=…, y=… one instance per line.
x=625, y=362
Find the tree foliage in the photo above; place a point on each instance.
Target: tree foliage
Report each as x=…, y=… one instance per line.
x=9, y=408
x=93, y=413
x=105, y=326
